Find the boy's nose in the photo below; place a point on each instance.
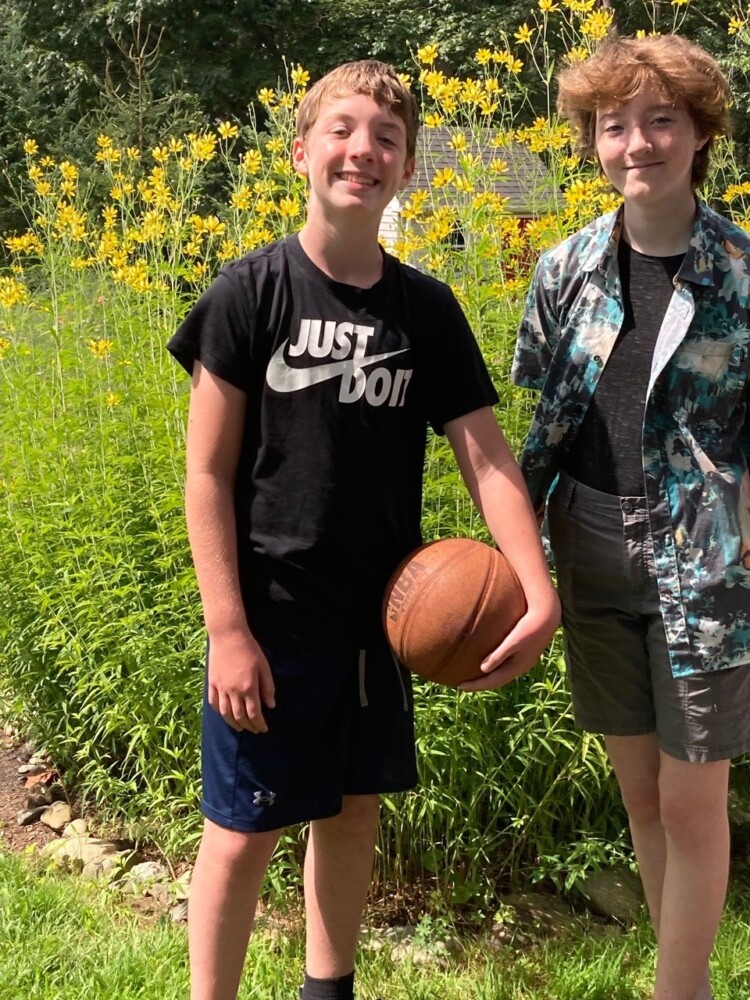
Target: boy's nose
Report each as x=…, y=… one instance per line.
x=361, y=143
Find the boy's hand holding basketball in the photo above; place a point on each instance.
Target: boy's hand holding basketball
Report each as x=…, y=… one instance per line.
x=521, y=649
x=239, y=680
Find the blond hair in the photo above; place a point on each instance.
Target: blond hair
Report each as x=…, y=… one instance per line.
x=366, y=76
x=621, y=68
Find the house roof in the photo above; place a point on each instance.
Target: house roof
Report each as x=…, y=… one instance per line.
x=526, y=184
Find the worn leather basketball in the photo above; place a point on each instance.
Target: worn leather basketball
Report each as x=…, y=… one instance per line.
x=449, y=604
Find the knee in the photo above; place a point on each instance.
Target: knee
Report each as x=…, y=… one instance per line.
x=358, y=813
x=692, y=824
x=642, y=802
x=233, y=850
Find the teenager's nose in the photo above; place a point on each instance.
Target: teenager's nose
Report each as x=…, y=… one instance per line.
x=361, y=143
x=638, y=141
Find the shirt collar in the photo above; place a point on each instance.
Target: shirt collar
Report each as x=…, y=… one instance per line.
x=697, y=267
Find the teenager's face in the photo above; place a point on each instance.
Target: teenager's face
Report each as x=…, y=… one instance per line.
x=646, y=149
x=354, y=156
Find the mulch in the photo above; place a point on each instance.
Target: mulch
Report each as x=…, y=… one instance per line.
x=13, y=793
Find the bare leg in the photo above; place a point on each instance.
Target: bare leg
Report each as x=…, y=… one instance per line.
x=694, y=815
x=338, y=867
x=677, y=814
x=224, y=892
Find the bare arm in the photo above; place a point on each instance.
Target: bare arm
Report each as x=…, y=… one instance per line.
x=239, y=678
x=496, y=485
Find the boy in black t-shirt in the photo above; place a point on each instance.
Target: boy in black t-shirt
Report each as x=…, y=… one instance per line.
x=317, y=363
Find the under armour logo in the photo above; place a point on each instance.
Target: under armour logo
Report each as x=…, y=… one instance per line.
x=264, y=798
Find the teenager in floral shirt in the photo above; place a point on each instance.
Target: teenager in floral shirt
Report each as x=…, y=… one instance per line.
x=637, y=334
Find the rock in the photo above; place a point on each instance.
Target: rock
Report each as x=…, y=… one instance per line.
x=39, y=758
x=104, y=868
x=409, y=944
x=57, y=816
x=32, y=769
x=181, y=888
x=613, y=892
x=524, y=917
x=78, y=851
x=28, y=816
x=78, y=828
x=149, y=871
x=38, y=795
x=179, y=913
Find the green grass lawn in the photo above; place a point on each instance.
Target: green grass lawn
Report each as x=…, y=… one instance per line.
x=61, y=939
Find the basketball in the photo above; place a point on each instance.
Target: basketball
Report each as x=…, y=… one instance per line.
x=447, y=605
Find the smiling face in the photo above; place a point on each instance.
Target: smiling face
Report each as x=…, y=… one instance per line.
x=646, y=148
x=354, y=157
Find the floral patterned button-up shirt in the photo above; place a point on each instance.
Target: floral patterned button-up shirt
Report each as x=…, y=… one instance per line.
x=696, y=428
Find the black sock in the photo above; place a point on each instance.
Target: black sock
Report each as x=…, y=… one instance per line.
x=341, y=988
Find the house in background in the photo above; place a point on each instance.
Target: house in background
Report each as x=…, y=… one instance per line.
x=526, y=183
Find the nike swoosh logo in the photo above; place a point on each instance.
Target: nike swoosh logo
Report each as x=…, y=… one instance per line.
x=282, y=378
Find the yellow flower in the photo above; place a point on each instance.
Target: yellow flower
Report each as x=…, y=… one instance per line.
x=427, y=54
x=458, y=141
x=112, y=399
x=735, y=26
x=266, y=96
x=578, y=54
x=12, y=292
x=43, y=188
x=275, y=145
x=100, y=348
x=240, y=198
x=300, y=77
x=68, y=188
x=524, y=34
x=203, y=147
x=4, y=345
x=104, y=142
x=405, y=79
x=176, y=145
x=597, y=24
x=288, y=207
x=133, y=153
x=548, y=6
x=251, y=161
x=68, y=170
x=30, y=147
x=679, y=3
x=433, y=120
x=46, y=161
x=483, y=56
x=108, y=155
x=443, y=176
x=227, y=130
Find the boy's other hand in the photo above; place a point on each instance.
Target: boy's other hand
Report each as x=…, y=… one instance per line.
x=239, y=681
x=521, y=648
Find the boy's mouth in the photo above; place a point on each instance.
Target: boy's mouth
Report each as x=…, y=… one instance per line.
x=358, y=179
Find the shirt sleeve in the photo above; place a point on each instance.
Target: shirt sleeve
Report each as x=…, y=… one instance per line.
x=218, y=332
x=457, y=378
x=537, y=332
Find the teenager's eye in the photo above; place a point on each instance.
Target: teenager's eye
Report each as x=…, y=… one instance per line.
x=613, y=129
x=662, y=120
x=387, y=140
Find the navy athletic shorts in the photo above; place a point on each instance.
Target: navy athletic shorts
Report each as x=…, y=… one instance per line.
x=343, y=725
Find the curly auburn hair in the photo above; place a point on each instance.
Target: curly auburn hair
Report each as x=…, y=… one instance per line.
x=683, y=73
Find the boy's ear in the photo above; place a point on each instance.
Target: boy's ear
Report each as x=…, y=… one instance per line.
x=299, y=156
x=409, y=168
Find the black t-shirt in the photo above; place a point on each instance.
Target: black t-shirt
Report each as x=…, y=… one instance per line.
x=341, y=383
x=607, y=452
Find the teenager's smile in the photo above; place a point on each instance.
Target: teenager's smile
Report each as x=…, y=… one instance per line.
x=646, y=148
x=354, y=156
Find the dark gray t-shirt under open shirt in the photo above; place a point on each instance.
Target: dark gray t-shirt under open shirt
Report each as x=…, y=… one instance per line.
x=607, y=452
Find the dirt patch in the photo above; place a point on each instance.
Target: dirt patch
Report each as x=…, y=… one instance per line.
x=13, y=796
